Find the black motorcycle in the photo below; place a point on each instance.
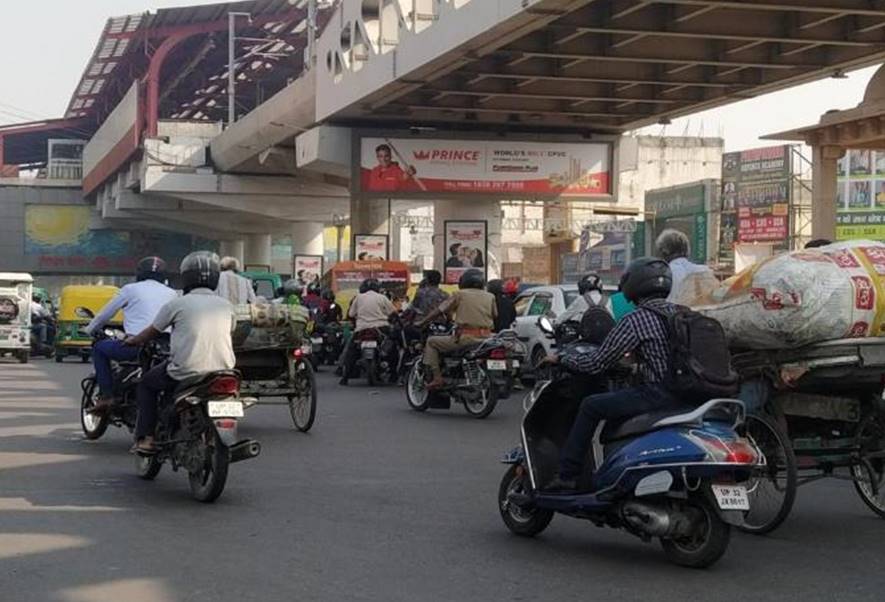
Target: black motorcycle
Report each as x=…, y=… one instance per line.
x=378, y=356
x=197, y=431
x=122, y=412
x=476, y=376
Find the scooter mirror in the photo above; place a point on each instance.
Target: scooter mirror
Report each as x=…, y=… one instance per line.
x=545, y=325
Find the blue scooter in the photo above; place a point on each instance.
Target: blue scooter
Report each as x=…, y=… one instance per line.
x=673, y=475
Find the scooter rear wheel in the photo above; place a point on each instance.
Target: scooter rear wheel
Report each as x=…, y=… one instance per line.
x=707, y=544
x=523, y=521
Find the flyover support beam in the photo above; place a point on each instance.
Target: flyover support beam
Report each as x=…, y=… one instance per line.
x=369, y=216
x=257, y=249
x=823, y=209
x=469, y=210
x=232, y=248
x=307, y=238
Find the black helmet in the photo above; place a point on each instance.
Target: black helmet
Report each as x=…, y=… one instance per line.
x=200, y=269
x=496, y=287
x=370, y=284
x=472, y=279
x=589, y=282
x=293, y=286
x=646, y=277
x=151, y=268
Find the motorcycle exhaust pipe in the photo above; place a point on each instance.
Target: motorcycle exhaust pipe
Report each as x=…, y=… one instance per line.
x=652, y=520
x=244, y=450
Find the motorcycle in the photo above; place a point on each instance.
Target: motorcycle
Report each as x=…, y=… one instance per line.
x=378, y=356
x=197, y=431
x=674, y=475
x=122, y=412
x=476, y=376
x=47, y=348
x=327, y=342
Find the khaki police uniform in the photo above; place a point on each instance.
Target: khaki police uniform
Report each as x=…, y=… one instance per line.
x=474, y=312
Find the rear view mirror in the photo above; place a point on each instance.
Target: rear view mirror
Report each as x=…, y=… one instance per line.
x=83, y=312
x=545, y=325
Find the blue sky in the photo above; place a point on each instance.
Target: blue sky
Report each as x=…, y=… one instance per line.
x=55, y=39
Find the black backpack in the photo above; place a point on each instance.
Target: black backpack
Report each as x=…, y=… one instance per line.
x=700, y=362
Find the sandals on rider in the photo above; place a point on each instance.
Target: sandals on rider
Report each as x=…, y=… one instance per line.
x=144, y=447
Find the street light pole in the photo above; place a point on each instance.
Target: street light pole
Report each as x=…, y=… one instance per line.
x=231, y=64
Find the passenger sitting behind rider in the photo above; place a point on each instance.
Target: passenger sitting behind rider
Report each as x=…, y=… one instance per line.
x=472, y=309
x=370, y=309
x=201, y=324
x=644, y=333
x=140, y=302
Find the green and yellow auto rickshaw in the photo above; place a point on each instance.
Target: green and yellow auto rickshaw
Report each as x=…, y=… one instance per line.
x=75, y=304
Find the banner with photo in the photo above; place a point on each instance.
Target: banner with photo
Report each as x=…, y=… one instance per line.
x=860, y=196
x=405, y=166
x=307, y=269
x=370, y=247
x=466, y=248
x=756, y=185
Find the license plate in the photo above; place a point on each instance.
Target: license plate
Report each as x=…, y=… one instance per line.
x=370, y=344
x=515, y=363
x=496, y=364
x=731, y=497
x=225, y=409
x=316, y=341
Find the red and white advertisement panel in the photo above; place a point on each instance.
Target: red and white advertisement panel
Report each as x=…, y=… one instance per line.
x=370, y=247
x=399, y=166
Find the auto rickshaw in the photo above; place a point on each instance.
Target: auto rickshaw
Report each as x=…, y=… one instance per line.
x=68, y=339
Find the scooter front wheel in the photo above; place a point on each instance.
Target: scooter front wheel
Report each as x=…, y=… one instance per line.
x=520, y=519
x=709, y=537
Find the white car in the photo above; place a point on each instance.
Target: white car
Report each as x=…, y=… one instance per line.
x=538, y=301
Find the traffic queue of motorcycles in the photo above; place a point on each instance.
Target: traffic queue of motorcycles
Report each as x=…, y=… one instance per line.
x=679, y=476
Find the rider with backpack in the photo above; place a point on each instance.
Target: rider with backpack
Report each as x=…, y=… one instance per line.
x=677, y=359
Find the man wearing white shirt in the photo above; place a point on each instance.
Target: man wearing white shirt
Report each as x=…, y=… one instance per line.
x=691, y=281
x=140, y=302
x=233, y=287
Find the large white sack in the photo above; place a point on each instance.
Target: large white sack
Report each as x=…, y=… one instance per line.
x=804, y=297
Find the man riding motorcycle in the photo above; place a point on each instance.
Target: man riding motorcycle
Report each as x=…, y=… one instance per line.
x=140, y=302
x=472, y=309
x=429, y=295
x=201, y=323
x=370, y=309
x=644, y=333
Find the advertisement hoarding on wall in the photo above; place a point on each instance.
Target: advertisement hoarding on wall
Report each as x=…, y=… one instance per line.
x=307, y=269
x=370, y=247
x=466, y=248
x=756, y=186
x=860, y=196
x=405, y=166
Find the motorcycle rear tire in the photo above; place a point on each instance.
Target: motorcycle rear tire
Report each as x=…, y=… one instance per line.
x=712, y=545
x=147, y=467
x=491, y=399
x=208, y=484
x=372, y=372
x=522, y=522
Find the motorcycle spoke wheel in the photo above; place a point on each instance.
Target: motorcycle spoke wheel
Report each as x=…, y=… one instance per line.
x=416, y=388
x=208, y=482
x=772, y=487
x=480, y=401
x=303, y=405
x=93, y=425
x=869, y=472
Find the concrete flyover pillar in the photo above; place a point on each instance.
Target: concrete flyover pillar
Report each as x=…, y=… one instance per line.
x=257, y=250
x=468, y=210
x=825, y=161
x=307, y=238
x=231, y=248
x=369, y=216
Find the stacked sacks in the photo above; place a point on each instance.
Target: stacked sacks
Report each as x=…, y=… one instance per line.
x=804, y=297
x=269, y=324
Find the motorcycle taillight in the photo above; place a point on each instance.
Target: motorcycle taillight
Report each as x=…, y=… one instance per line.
x=498, y=354
x=224, y=385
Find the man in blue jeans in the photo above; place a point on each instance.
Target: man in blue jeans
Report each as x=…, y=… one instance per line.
x=644, y=333
x=140, y=302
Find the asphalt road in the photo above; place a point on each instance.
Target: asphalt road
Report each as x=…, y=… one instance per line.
x=376, y=503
